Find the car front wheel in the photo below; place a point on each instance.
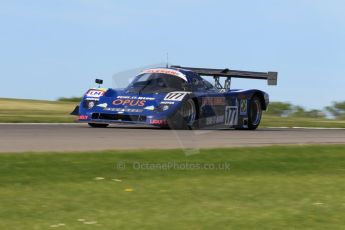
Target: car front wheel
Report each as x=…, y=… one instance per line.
x=185, y=117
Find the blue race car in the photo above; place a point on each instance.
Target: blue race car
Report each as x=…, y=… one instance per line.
x=178, y=98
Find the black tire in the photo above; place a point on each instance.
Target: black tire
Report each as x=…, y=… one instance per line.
x=255, y=113
x=96, y=125
x=185, y=117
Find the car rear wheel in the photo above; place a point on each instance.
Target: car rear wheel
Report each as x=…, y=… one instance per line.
x=185, y=117
x=255, y=113
x=96, y=125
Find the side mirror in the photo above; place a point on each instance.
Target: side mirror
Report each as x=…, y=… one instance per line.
x=99, y=82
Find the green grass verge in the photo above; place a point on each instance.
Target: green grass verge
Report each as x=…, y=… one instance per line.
x=265, y=188
x=273, y=121
x=35, y=111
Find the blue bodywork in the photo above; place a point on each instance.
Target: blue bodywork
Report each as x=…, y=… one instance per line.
x=214, y=107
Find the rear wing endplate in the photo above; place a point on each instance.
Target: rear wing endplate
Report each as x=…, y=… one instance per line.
x=271, y=77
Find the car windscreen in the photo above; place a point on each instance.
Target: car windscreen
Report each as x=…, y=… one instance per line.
x=156, y=82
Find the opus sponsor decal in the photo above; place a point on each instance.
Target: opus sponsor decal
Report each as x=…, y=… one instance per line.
x=129, y=102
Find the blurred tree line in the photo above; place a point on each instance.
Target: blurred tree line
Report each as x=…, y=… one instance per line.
x=282, y=109
x=70, y=99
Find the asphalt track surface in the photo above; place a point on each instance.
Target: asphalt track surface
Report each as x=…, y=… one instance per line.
x=79, y=137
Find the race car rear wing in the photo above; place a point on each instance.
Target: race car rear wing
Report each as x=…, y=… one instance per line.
x=271, y=77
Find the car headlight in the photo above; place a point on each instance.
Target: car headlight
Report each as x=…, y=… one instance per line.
x=162, y=108
x=88, y=104
x=91, y=104
x=165, y=107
